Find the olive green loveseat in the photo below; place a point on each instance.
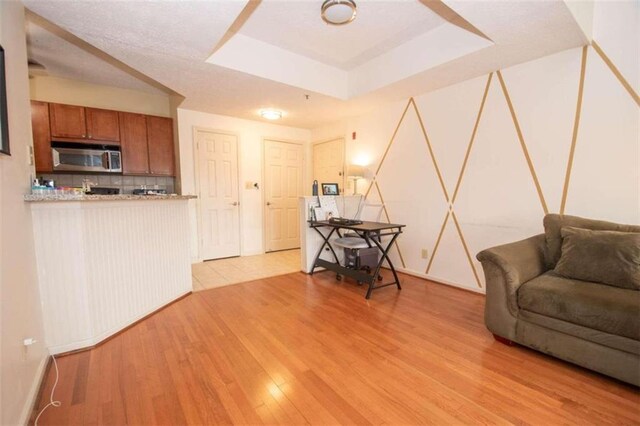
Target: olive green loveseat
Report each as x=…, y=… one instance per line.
x=592, y=324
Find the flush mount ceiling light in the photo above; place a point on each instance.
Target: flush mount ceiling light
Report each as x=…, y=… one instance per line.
x=271, y=114
x=338, y=12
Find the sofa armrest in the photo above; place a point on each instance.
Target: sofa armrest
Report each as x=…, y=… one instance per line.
x=506, y=267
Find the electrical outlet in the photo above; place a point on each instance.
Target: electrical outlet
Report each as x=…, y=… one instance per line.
x=425, y=253
x=29, y=341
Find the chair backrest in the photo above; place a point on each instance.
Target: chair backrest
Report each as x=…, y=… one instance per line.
x=371, y=212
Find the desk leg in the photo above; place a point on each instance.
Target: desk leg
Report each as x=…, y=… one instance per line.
x=385, y=255
x=326, y=243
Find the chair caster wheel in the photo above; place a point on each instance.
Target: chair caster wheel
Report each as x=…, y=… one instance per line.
x=359, y=282
x=379, y=277
x=338, y=277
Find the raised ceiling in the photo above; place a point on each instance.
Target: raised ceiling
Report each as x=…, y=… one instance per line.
x=170, y=42
x=379, y=26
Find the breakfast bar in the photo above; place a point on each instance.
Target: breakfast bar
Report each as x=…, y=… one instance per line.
x=106, y=261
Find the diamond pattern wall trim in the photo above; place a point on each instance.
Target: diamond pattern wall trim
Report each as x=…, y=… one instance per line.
x=576, y=125
x=451, y=201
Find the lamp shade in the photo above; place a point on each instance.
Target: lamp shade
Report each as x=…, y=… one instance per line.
x=355, y=171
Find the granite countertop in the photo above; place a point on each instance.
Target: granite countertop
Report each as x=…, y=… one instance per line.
x=119, y=197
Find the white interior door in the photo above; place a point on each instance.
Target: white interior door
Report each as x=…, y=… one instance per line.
x=283, y=187
x=328, y=163
x=218, y=199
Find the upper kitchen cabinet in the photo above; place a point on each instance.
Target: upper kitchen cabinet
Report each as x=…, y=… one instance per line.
x=133, y=144
x=41, y=136
x=161, y=149
x=102, y=125
x=67, y=121
x=84, y=125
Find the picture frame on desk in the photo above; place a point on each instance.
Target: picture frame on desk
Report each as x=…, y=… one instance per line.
x=4, y=120
x=330, y=189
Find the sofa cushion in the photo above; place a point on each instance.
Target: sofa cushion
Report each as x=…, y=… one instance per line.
x=602, y=307
x=596, y=336
x=607, y=257
x=553, y=224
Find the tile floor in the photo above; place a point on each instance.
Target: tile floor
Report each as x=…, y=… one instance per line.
x=221, y=272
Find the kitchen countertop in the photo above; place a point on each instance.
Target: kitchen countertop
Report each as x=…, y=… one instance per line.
x=119, y=197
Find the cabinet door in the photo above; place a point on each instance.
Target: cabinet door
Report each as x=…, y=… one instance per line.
x=133, y=143
x=102, y=125
x=160, y=139
x=41, y=136
x=67, y=121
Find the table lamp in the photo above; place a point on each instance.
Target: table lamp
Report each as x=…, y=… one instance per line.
x=355, y=172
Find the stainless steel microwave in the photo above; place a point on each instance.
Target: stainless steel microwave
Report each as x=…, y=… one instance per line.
x=86, y=160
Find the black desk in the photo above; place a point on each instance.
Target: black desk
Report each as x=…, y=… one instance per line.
x=371, y=232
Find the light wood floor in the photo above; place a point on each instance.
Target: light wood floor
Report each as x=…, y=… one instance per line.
x=222, y=272
x=296, y=349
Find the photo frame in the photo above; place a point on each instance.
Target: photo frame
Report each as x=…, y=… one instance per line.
x=330, y=189
x=4, y=121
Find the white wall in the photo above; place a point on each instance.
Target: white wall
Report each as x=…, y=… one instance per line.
x=497, y=201
x=250, y=139
x=74, y=92
x=20, y=315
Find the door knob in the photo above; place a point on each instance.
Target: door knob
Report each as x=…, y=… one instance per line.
x=268, y=203
x=235, y=203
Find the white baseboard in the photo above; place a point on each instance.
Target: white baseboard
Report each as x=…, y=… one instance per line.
x=97, y=339
x=440, y=280
x=30, y=401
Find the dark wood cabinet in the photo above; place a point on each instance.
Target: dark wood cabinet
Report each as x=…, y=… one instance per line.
x=84, y=125
x=161, y=148
x=133, y=143
x=102, y=125
x=67, y=121
x=146, y=142
x=41, y=136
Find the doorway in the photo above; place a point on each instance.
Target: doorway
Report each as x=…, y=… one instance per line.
x=283, y=167
x=328, y=162
x=218, y=201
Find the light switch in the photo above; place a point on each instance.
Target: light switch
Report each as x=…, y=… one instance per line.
x=30, y=155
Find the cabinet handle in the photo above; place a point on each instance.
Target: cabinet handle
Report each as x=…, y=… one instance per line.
x=268, y=203
x=235, y=203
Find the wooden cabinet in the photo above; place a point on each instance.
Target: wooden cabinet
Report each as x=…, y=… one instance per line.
x=67, y=121
x=133, y=143
x=84, y=125
x=102, y=125
x=146, y=141
x=41, y=136
x=161, y=149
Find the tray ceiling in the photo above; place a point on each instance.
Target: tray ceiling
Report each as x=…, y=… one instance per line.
x=392, y=51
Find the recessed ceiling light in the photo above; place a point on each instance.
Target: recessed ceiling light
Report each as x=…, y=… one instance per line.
x=338, y=12
x=271, y=114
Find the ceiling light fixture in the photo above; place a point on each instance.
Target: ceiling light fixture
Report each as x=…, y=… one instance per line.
x=271, y=114
x=338, y=12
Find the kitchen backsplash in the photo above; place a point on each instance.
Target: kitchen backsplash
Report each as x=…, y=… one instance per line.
x=126, y=183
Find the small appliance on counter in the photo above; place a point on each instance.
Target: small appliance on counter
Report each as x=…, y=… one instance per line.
x=103, y=190
x=49, y=183
x=145, y=191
